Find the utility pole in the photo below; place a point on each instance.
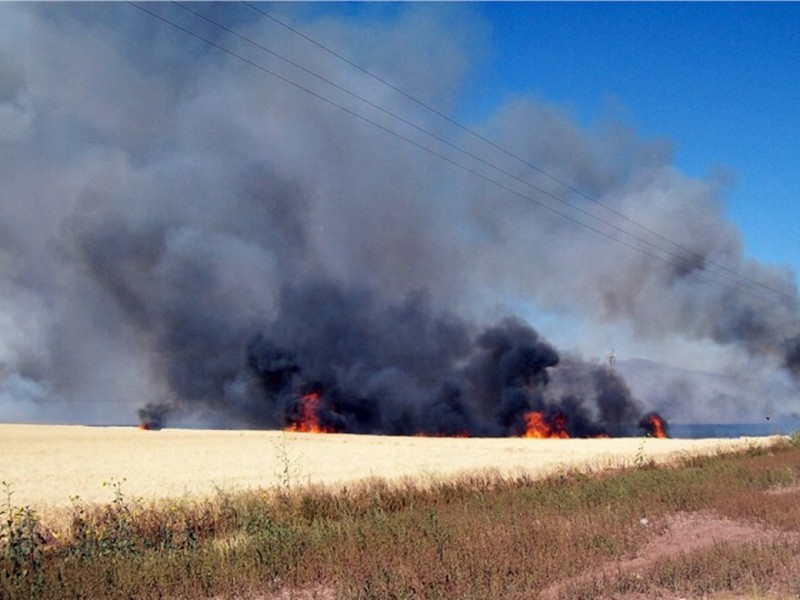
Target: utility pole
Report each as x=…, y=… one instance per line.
x=611, y=360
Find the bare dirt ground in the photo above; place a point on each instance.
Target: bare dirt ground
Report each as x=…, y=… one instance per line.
x=680, y=534
x=47, y=465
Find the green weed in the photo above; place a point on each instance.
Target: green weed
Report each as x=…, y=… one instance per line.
x=22, y=542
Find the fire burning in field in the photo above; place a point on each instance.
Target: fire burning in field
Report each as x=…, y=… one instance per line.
x=152, y=416
x=313, y=412
x=308, y=420
x=501, y=381
x=654, y=425
x=539, y=424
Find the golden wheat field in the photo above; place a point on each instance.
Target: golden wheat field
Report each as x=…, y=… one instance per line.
x=47, y=465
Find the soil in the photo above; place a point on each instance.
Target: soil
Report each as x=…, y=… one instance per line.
x=681, y=534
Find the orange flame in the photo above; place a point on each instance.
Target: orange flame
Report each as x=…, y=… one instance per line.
x=144, y=426
x=655, y=425
x=309, y=416
x=541, y=425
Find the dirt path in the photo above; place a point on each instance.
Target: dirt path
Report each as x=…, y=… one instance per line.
x=679, y=534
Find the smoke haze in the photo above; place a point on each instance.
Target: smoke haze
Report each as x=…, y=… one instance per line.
x=186, y=235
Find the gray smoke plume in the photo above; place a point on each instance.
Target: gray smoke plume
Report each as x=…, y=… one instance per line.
x=408, y=369
x=180, y=226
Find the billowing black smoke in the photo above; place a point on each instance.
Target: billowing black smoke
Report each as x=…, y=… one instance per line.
x=400, y=369
x=153, y=415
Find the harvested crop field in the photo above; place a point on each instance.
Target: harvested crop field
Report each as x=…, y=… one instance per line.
x=46, y=465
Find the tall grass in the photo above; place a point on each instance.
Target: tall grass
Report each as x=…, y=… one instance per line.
x=483, y=536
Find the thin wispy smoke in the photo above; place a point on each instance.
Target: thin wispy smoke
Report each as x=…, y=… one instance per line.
x=185, y=235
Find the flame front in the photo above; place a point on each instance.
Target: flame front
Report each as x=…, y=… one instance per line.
x=655, y=425
x=309, y=421
x=541, y=425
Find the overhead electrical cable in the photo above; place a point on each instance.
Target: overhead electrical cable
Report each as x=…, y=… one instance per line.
x=428, y=133
x=695, y=255
x=457, y=164
x=687, y=263
x=463, y=167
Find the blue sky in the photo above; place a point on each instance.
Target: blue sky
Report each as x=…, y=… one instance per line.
x=719, y=80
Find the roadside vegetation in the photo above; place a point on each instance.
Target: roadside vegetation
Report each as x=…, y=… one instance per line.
x=569, y=536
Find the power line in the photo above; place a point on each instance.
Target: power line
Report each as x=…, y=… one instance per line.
x=451, y=161
x=695, y=255
x=579, y=209
x=423, y=130
x=456, y=163
x=432, y=135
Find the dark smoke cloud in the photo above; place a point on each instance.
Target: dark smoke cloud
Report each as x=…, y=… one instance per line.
x=407, y=369
x=153, y=415
x=792, y=354
x=177, y=225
